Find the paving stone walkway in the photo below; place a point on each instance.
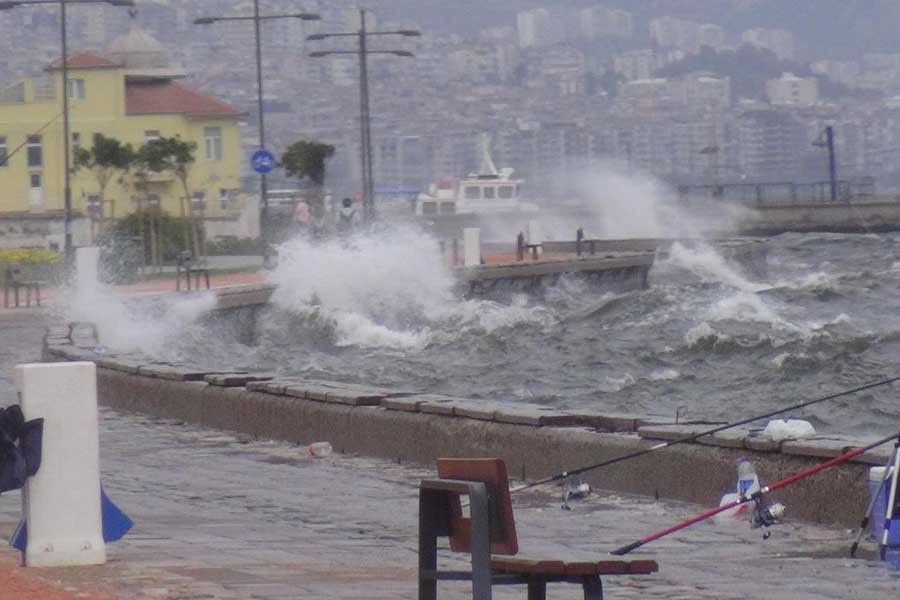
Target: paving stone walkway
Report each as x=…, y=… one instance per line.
x=224, y=518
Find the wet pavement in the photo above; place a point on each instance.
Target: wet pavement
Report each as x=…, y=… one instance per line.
x=219, y=517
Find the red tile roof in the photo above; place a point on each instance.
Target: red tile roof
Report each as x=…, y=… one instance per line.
x=84, y=60
x=168, y=98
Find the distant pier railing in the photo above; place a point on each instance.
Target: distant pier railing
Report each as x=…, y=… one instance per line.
x=780, y=193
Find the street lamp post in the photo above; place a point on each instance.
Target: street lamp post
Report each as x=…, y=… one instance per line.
x=257, y=19
x=362, y=52
x=64, y=42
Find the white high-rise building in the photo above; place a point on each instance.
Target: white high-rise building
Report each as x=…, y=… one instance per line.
x=779, y=41
x=602, y=22
x=790, y=90
x=538, y=28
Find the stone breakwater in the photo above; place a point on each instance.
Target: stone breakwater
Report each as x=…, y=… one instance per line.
x=535, y=441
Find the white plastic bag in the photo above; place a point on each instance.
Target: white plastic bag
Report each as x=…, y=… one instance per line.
x=779, y=430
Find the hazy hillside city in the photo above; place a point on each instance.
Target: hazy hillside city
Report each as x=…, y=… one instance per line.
x=692, y=91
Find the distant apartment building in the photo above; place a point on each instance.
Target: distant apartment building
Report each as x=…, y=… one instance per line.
x=694, y=92
x=473, y=63
x=649, y=95
x=707, y=91
x=539, y=28
x=401, y=161
x=880, y=71
x=769, y=144
x=561, y=70
x=843, y=72
x=635, y=64
x=790, y=90
x=779, y=41
x=686, y=36
x=342, y=71
x=599, y=22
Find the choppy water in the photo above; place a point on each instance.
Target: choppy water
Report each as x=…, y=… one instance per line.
x=704, y=335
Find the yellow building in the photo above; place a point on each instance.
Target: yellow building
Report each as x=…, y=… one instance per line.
x=131, y=95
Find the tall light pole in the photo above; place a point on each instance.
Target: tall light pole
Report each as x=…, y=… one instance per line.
x=257, y=19
x=64, y=42
x=362, y=52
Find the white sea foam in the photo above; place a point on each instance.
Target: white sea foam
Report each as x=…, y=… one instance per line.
x=385, y=289
x=699, y=332
x=664, y=375
x=778, y=361
x=703, y=261
x=135, y=325
x=617, y=384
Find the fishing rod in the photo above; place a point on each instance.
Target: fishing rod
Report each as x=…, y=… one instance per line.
x=692, y=437
x=864, y=524
x=753, y=497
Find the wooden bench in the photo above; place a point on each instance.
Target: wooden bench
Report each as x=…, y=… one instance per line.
x=13, y=282
x=185, y=264
x=491, y=529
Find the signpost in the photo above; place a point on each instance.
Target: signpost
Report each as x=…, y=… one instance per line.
x=262, y=161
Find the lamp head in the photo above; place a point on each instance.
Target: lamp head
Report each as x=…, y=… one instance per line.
x=204, y=21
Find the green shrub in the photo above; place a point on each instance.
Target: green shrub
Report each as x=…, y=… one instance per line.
x=173, y=231
x=232, y=246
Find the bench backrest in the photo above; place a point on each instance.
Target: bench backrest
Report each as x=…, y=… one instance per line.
x=492, y=472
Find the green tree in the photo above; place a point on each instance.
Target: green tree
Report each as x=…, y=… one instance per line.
x=107, y=158
x=175, y=156
x=306, y=159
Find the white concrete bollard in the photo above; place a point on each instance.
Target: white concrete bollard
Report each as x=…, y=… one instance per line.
x=535, y=235
x=472, y=246
x=87, y=272
x=61, y=502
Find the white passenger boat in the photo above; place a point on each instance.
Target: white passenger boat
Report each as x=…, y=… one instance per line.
x=488, y=192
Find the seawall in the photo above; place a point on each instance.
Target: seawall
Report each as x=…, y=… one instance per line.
x=535, y=442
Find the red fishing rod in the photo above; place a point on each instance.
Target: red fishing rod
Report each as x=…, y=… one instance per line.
x=753, y=497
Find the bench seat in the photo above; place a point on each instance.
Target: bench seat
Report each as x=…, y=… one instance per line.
x=563, y=569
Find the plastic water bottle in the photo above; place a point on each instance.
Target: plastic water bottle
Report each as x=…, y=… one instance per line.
x=748, y=482
x=319, y=449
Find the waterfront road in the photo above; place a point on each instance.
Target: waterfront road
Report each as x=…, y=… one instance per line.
x=219, y=517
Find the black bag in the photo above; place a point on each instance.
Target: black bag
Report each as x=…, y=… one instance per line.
x=20, y=447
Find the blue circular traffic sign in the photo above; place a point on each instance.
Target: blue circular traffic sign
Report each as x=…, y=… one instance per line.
x=262, y=161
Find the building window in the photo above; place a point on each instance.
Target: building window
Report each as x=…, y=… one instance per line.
x=505, y=192
x=35, y=151
x=152, y=134
x=76, y=89
x=489, y=193
x=198, y=201
x=35, y=180
x=473, y=192
x=3, y=151
x=213, y=139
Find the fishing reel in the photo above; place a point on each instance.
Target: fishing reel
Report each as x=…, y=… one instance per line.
x=766, y=515
x=574, y=491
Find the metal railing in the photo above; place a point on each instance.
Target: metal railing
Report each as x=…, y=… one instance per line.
x=780, y=193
